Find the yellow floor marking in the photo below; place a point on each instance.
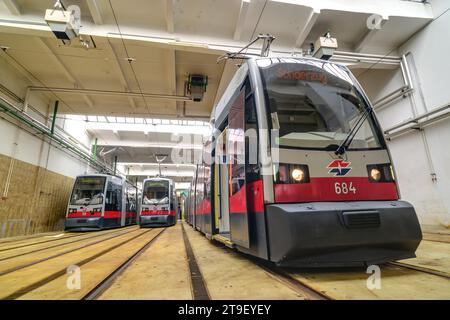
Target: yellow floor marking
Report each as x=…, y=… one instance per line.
x=37, y=256
x=160, y=273
x=92, y=273
x=21, y=279
x=229, y=275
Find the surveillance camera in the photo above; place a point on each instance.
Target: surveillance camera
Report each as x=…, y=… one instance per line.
x=62, y=23
x=324, y=48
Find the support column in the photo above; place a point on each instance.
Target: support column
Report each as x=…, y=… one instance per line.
x=94, y=150
x=55, y=112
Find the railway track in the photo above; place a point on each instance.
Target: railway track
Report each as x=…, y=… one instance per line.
x=62, y=272
x=104, y=257
x=39, y=242
x=323, y=284
x=106, y=283
x=421, y=269
x=35, y=262
x=29, y=242
x=96, y=235
x=436, y=237
x=293, y=283
x=198, y=284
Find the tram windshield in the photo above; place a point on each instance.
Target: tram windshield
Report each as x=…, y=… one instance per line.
x=316, y=104
x=156, y=192
x=88, y=191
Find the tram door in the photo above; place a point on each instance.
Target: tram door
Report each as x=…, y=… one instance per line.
x=221, y=172
x=239, y=225
x=123, y=211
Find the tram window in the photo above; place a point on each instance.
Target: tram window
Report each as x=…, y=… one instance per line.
x=236, y=143
x=200, y=186
x=113, y=197
x=251, y=136
x=131, y=200
x=317, y=105
x=208, y=183
x=156, y=192
x=88, y=190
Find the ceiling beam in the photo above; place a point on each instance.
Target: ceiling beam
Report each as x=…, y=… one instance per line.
x=57, y=60
x=13, y=7
x=241, y=19
x=306, y=29
x=95, y=11
x=169, y=16
x=365, y=39
x=171, y=71
x=147, y=145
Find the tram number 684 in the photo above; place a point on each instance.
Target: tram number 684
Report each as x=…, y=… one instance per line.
x=344, y=188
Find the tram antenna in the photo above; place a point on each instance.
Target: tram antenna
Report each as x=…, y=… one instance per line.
x=265, y=50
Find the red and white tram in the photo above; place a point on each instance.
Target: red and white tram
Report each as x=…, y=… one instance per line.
x=101, y=201
x=297, y=170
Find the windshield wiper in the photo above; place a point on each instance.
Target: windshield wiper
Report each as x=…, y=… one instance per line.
x=342, y=148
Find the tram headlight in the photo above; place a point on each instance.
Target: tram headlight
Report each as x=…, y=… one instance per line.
x=375, y=174
x=291, y=173
x=298, y=175
x=380, y=172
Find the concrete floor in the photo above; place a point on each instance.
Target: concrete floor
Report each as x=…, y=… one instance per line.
x=36, y=268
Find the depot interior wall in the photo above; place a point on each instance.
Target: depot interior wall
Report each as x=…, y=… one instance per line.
x=426, y=54
x=35, y=175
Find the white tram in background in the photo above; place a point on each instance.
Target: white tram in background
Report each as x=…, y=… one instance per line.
x=100, y=201
x=159, y=203
x=330, y=199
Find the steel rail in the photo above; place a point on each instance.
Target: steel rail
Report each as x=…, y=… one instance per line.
x=198, y=284
x=13, y=269
x=96, y=235
x=18, y=293
x=106, y=283
x=421, y=269
x=288, y=280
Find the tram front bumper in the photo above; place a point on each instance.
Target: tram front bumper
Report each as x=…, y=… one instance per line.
x=333, y=234
x=156, y=220
x=84, y=224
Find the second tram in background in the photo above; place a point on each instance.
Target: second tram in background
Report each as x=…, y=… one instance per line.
x=159, y=204
x=100, y=201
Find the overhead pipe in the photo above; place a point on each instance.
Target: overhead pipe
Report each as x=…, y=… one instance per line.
x=18, y=114
x=403, y=91
x=357, y=54
x=414, y=122
x=367, y=59
x=110, y=93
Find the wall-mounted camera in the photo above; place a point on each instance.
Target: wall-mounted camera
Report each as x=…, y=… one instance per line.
x=325, y=47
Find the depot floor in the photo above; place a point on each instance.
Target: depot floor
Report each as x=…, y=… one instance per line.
x=180, y=263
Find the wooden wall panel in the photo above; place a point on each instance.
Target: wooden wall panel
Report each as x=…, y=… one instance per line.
x=36, y=200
